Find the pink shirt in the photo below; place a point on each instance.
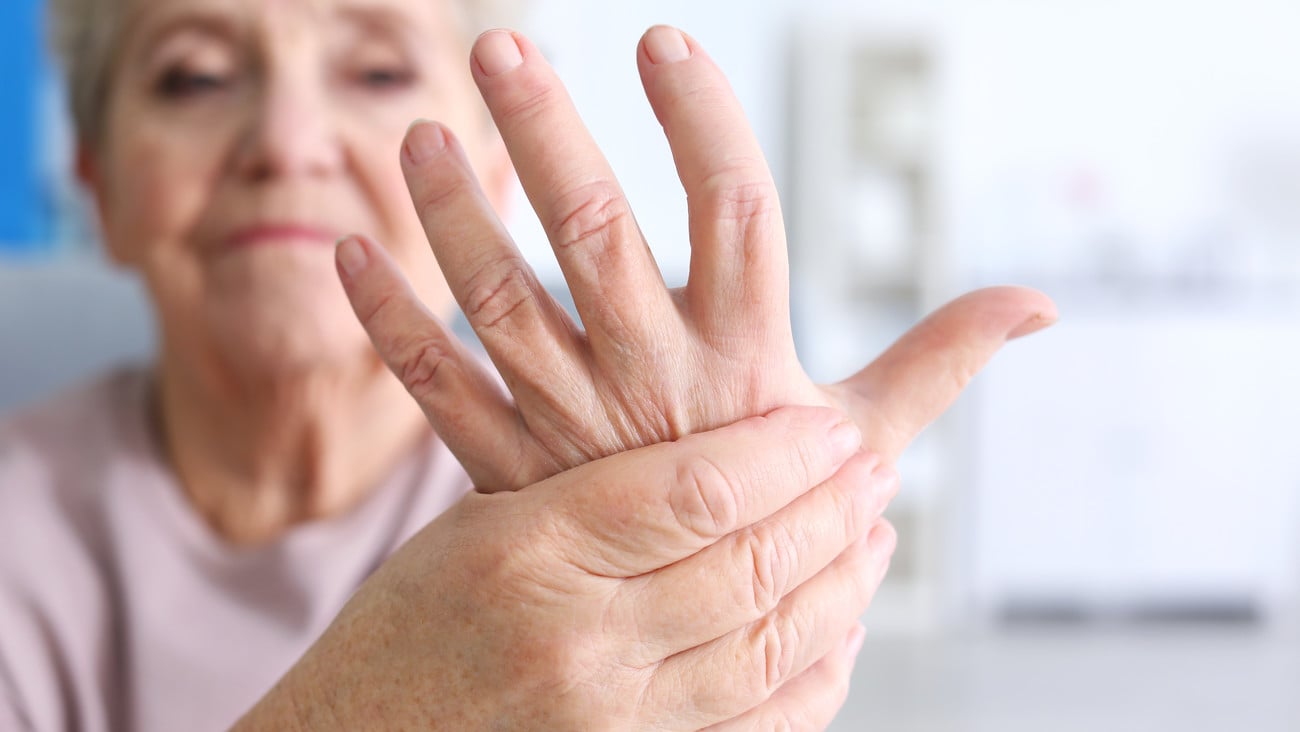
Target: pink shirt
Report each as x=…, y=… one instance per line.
x=121, y=610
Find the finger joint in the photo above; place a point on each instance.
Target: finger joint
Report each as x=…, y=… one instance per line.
x=777, y=641
x=770, y=556
x=703, y=500
x=497, y=293
x=589, y=216
x=740, y=198
x=421, y=370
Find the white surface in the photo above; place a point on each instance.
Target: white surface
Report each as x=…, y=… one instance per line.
x=1153, y=680
x=1141, y=454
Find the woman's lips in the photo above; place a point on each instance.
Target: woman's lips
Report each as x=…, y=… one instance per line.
x=273, y=234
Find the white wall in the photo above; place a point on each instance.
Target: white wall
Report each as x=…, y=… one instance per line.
x=1139, y=159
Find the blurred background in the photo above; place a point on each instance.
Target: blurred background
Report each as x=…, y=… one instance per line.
x=1104, y=533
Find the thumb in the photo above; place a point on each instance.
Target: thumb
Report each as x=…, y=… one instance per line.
x=922, y=373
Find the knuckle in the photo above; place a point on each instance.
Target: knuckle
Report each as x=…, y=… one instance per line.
x=770, y=551
x=776, y=643
x=421, y=370
x=497, y=291
x=588, y=214
x=703, y=499
x=738, y=193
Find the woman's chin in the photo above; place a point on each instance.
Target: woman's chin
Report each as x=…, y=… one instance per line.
x=292, y=331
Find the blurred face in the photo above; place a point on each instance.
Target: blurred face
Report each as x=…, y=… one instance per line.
x=244, y=137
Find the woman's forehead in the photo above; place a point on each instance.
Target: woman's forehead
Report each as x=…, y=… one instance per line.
x=150, y=18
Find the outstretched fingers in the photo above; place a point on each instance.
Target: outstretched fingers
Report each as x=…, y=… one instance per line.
x=458, y=395
x=616, y=285
x=525, y=333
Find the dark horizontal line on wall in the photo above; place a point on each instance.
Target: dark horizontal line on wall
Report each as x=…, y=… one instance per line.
x=1217, y=611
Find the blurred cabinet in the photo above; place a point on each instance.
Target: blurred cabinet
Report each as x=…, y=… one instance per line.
x=866, y=255
x=1141, y=459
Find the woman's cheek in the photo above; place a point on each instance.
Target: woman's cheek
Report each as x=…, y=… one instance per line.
x=157, y=192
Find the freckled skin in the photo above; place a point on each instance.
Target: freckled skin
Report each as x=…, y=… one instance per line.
x=544, y=607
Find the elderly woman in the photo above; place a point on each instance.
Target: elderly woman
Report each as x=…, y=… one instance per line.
x=261, y=529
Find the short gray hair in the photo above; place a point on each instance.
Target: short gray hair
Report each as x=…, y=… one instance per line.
x=84, y=35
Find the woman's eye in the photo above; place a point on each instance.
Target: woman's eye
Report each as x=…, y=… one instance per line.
x=182, y=84
x=382, y=79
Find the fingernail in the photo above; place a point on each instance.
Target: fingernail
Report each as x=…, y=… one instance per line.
x=497, y=52
x=881, y=541
x=855, y=640
x=885, y=481
x=845, y=438
x=872, y=498
x=423, y=141
x=665, y=45
x=1032, y=324
x=351, y=255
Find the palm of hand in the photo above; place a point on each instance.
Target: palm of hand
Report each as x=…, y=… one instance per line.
x=653, y=365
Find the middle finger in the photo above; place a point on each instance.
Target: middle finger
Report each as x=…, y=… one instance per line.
x=616, y=285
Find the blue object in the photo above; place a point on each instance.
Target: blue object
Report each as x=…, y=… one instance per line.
x=25, y=207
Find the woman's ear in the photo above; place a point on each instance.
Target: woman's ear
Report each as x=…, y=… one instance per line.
x=90, y=174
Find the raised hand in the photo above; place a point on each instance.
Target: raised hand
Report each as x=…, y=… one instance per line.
x=652, y=364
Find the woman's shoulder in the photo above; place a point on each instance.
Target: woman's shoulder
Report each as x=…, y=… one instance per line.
x=53, y=450
x=91, y=410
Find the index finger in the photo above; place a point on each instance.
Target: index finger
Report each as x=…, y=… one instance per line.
x=645, y=509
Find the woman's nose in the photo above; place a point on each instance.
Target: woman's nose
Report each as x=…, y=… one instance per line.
x=289, y=132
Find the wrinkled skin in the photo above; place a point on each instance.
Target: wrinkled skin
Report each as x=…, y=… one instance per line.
x=652, y=364
x=649, y=367
x=686, y=585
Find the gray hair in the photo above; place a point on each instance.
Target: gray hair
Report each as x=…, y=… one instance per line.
x=84, y=35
